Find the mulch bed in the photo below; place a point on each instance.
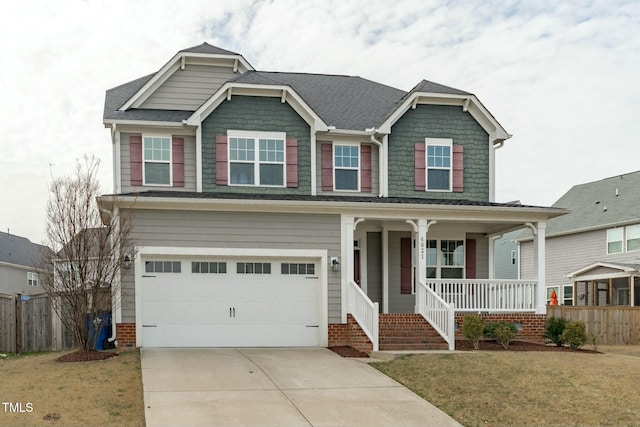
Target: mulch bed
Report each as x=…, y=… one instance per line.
x=78, y=356
x=490, y=345
x=347, y=351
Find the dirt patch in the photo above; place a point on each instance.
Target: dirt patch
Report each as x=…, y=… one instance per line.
x=347, y=351
x=78, y=356
x=490, y=345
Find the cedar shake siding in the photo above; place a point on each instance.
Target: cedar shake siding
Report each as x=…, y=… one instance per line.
x=470, y=153
x=235, y=230
x=369, y=168
x=247, y=113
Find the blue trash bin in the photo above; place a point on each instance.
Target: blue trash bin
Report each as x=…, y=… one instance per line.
x=102, y=321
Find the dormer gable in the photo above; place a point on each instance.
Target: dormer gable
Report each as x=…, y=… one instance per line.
x=188, y=79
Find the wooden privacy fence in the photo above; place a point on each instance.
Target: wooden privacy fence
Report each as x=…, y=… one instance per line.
x=29, y=324
x=611, y=325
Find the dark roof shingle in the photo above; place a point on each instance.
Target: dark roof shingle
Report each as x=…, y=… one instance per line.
x=19, y=250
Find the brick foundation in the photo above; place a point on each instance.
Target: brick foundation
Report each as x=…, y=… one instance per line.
x=408, y=331
x=126, y=335
x=349, y=334
x=532, y=324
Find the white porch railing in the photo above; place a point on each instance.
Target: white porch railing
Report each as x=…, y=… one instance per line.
x=438, y=312
x=474, y=295
x=364, y=311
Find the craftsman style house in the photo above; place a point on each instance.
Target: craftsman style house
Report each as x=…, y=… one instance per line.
x=294, y=209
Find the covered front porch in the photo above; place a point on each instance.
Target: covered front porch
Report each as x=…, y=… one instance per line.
x=606, y=284
x=435, y=268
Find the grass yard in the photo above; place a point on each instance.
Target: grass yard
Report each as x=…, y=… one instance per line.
x=526, y=388
x=98, y=393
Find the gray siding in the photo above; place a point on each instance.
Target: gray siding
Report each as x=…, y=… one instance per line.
x=505, y=269
x=565, y=254
x=189, y=166
x=188, y=89
x=236, y=230
x=255, y=114
x=398, y=303
x=14, y=280
x=374, y=267
x=439, y=121
x=375, y=171
x=482, y=255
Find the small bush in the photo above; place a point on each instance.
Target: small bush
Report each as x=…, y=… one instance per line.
x=575, y=334
x=553, y=329
x=502, y=332
x=472, y=329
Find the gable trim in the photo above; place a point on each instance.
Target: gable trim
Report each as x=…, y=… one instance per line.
x=473, y=106
x=175, y=63
x=230, y=89
x=624, y=269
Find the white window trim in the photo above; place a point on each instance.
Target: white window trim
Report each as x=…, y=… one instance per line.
x=32, y=277
x=256, y=136
x=170, y=162
x=560, y=293
x=333, y=158
x=439, y=264
x=626, y=238
x=622, y=240
x=444, y=142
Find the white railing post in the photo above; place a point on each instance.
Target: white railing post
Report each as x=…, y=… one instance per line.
x=364, y=311
x=437, y=312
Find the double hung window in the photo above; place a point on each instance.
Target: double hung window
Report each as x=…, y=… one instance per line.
x=445, y=259
x=257, y=159
x=157, y=160
x=346, y=167
x=439, y=162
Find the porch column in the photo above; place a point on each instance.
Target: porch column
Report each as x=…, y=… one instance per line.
x=346, y=262
x=421, y=243
x=385, y=269
x=539, y=265
x=492, y=255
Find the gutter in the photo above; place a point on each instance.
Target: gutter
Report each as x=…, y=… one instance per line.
x=381, y=172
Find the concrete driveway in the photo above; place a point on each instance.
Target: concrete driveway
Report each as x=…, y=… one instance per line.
x=275, y=387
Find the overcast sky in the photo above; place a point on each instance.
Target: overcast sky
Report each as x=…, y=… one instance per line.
x=562, y=77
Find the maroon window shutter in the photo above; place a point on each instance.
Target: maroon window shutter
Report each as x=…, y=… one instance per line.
x=365, y=169
x=405, y=265
x=420, y=167
x=135, y=147
x=177, y=158
x=221, y=160
x=327, y=167
x=470, y=258
x=458, y=168
x=292, y=163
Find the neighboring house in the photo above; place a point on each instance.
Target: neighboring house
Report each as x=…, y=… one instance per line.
x=506, y=255
x=593, y=253
x=297, y=209
x=18, y=260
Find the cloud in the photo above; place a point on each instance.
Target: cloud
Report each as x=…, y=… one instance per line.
x=560, y=76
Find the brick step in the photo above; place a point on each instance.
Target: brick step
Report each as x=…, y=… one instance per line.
x=396, y=347
x=401, y=341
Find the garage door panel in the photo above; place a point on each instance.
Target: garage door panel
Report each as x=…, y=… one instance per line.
x=231, y=309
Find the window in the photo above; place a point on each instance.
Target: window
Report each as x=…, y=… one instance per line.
x=162, y=267
x=157, y=160
x=567, y=296
x=513, y=256
x=209, y=267
x=253, y=268
x=346, y=160
x=633, y=237
x=32, y=278
x=439, y=161
x=296, y=268
x=614, y=240
x=445, y=259
x=257, y=158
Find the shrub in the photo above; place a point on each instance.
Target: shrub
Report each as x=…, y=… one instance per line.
x=575, y=334
x=553, y=329
x=502, y=332
x=472, y=329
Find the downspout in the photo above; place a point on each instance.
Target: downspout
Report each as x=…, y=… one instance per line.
x=381, y=172
x=113, y=323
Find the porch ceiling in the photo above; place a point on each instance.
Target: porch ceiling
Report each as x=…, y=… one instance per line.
x=468, y=226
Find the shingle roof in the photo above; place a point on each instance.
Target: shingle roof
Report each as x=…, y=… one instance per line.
x=603, y=203
x=324, y=198
x=346, y=102
x=19, y=250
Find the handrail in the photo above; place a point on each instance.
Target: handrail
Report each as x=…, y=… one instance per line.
x=492, y=295
x=364, y=311
x=439, y=313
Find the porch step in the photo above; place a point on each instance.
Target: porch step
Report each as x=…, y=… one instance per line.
x=408, y=332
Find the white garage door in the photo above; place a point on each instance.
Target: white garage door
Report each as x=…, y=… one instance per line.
x=196, y=302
